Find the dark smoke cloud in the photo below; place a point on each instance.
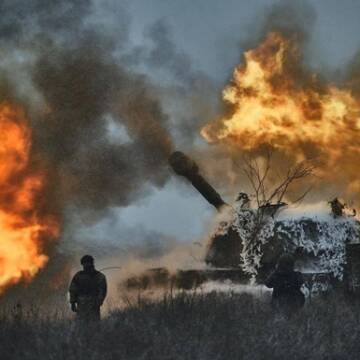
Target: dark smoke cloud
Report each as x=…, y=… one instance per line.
x=84, y=72
x=83, y=87
x=63, y=61
x=294, y=18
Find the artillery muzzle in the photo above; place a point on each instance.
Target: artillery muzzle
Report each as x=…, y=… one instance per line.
x=186, y=167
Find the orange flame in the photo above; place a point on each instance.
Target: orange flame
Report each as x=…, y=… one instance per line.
x=273, y=101
x=23, y=229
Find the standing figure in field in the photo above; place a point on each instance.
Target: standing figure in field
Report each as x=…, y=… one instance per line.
x=286, y=283
x=87, y=291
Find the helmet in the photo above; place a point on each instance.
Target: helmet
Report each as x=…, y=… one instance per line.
x=87, y=259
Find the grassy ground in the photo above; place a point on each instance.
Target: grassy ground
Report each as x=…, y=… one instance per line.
x=189, y=326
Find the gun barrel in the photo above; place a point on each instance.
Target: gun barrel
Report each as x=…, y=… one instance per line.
x=186, y=167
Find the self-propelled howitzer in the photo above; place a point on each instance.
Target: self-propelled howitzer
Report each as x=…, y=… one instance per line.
x=252, y=240
x=248, y=242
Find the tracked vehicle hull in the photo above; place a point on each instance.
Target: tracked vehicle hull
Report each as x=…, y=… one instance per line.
x=243, y=249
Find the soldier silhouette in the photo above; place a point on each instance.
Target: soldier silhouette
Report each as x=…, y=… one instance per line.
x=286, y=283
x=87, y=291
x=337, y=207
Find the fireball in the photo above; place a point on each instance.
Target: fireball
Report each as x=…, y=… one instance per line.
x=274, y=101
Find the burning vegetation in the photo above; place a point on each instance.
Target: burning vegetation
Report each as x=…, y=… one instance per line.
x=25, y=228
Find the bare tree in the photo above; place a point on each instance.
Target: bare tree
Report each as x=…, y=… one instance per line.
x=269, y=197
x=264, y=193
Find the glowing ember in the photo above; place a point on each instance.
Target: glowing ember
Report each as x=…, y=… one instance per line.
x=273, y=101
x=23, y=227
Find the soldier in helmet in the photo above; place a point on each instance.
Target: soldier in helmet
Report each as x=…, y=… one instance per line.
x=286, y=283
x=87, y=291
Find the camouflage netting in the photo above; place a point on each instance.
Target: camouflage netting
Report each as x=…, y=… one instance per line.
x=317, y=238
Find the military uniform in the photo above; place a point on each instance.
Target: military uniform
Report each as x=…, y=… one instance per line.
x=286, y=285
x=88, y=291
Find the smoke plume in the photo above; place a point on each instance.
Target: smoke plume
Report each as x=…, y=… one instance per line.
x=81, y=92
x=99, y=130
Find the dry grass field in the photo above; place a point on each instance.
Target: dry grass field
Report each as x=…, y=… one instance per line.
x=212, y=326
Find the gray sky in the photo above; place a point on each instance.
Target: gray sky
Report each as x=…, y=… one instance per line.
x=210, y=32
